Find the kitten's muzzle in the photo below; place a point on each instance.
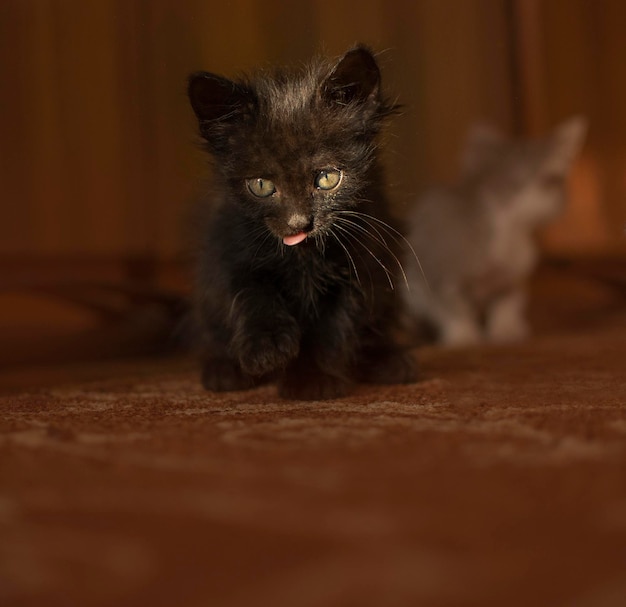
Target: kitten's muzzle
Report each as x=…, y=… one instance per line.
x=300, y=225
x=299, y=222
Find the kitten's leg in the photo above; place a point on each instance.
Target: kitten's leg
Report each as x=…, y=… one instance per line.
x=326, y=368
x=506, y=320
x=457, y=321
x=323, y=368
x=306, y=379
x=460, y=331
x=451, y=316
x=265, y=336
x=381, y=359
x=220, y=372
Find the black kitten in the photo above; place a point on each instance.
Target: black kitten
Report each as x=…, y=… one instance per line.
x=299, y=258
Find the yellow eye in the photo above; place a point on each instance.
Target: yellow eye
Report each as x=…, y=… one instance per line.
x=261, y=188
x=328, y=179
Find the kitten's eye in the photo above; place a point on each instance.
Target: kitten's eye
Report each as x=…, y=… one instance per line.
x=261, y=188
x=328, y=179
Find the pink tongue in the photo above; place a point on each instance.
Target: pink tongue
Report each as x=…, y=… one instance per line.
x=295, y=239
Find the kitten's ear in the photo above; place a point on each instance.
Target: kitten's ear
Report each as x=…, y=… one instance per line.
x=215, y=98
x=355, y=78
x=565, y=143
x=481, y=145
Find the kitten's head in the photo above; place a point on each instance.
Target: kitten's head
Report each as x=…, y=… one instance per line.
x=524, y=178
x=294, y=147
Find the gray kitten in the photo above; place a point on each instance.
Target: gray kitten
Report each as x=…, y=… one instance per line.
x=475, y=239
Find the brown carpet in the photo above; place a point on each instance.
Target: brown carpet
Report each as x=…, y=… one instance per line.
x=499, y=479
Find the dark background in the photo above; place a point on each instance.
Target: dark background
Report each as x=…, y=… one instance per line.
x=98, y=161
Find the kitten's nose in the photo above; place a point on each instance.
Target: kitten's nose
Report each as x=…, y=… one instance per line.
x=298, y=222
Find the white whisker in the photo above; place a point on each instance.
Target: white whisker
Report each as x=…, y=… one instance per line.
x=382, y=265
x=398, y=237
x=350, y=258
x=257, y=234
x=356, y=251
x=380, y=239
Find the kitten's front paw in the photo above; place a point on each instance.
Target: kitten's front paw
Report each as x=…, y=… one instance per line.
x=506, y=321
x=269, y=351
x=315, y=386
x=460, y=333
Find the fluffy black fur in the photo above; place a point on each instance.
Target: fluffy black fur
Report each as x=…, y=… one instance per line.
x=321, y=314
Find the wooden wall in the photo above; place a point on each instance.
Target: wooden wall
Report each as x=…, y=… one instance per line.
x=97, y=153
x=570, y=59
